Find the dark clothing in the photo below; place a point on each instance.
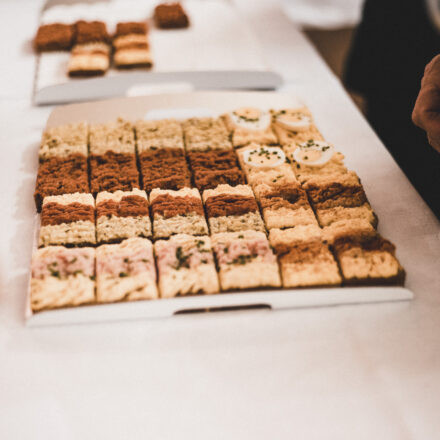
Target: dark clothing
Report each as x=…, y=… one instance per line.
x=392, y=45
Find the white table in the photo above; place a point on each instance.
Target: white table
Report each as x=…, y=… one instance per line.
x=352, y=372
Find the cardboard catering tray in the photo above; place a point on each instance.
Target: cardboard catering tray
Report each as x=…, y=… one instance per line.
x=183, y=106
x=216, y=51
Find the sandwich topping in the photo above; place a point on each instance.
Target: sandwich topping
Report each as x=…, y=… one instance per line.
x=250, y=118
x=265, y=157
x=293, y=120
x=313, y=153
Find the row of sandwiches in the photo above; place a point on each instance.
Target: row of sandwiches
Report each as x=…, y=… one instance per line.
x=78, y=220
x=218, y=205
x=147, y=155
x=137, y=269
x=93, y=49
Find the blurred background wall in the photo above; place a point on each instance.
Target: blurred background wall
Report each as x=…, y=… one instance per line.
x=330, y=26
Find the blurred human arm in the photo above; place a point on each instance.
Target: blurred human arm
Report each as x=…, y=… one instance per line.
x=426, y=113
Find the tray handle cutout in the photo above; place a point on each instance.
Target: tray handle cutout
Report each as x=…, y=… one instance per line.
x=223, y=309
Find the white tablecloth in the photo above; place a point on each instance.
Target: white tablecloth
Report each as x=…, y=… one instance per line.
x=351, y=372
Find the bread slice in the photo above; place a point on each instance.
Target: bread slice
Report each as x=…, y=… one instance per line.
x=232, y=208
x=329, y=191
x=153, y=135
x=186, y=266
x=170, y=16
x=113, y=172
x=89, y=59
x=64, y=140
x=284, y=206
x=368, y=260
x=245, y=260
x=59, y=175
x=54, y=37
x=126, y=271
x=293, y=138
x=284, y=239
x=62, y=277
x=309, y=264
x=121, y=215
x=68, y=220
x=177, y=212
x=334, y=167
x=364, y=212
x=164, y=168
x=348, y=227
x=117, y=136
x=203, y=134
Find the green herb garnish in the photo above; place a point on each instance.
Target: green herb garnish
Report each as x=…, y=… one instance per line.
x=182, y=259
x=245, y=118
x=243, y=259
x=54, y=273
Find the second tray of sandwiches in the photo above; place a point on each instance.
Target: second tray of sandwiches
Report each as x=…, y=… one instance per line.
x=102, y=49
x=93, y=49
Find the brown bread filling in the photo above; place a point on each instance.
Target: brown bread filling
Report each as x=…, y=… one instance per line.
x=289, y=197
x=54, y=213
x=165, y=168
x=61, y=175
x=133, y=46
x=376, y=243
x=169, y=206
x=113, y=171
x=211, y=179
x=212, y=160
x=307, y=253
x=336, y=194
x=172, y=182
x=230, y=204
x=129, y=206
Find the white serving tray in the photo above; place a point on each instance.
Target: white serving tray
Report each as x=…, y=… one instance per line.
x=181, y=106
x=217, y=51
x=163, y=308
